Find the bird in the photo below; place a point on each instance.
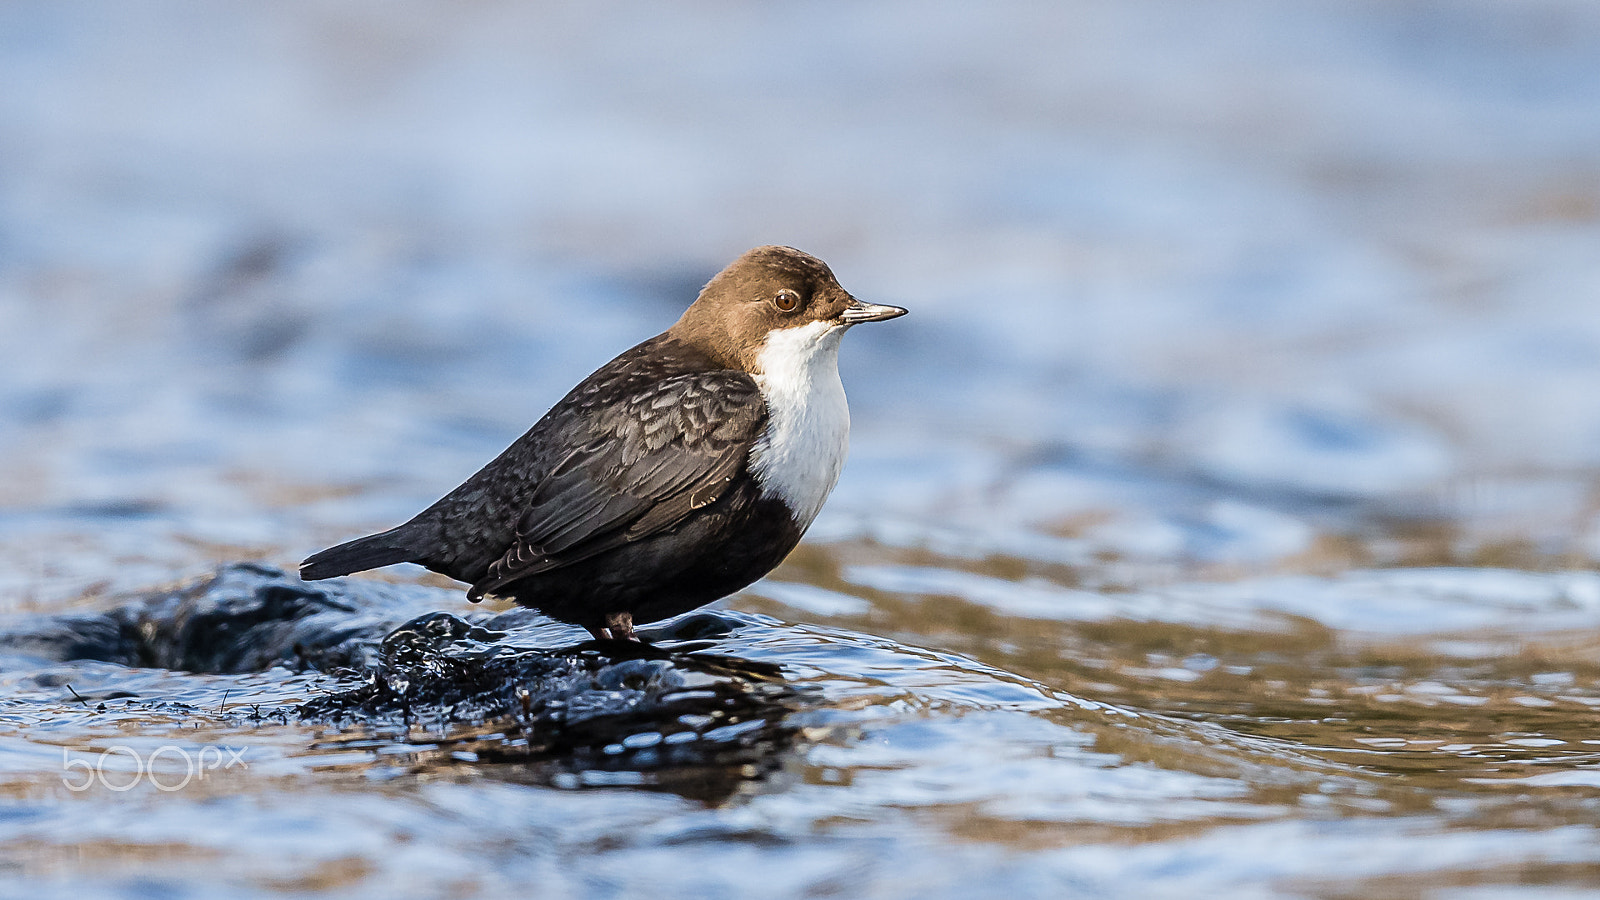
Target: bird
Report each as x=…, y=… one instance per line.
x=678, y=473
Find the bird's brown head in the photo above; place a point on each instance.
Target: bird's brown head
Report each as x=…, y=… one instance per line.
x=767, y=290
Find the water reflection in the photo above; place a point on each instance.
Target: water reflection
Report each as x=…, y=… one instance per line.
x=1049, y=733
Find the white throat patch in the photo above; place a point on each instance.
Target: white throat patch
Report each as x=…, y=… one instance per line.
x=799, y=455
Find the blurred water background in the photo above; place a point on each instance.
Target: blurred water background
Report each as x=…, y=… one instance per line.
x=1224, y=519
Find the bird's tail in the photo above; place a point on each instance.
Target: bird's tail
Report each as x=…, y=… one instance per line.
x=370, y=552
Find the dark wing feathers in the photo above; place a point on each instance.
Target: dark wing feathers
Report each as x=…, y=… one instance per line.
x=643, y=463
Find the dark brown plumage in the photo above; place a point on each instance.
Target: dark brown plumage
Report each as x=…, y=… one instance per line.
x=634, y=499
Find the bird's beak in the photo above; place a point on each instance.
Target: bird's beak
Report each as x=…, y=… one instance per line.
x=858, y=312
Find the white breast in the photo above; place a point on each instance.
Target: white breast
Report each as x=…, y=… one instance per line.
x=799, y=456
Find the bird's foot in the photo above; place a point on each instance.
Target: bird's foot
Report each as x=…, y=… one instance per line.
x=621, y=626
x=618, y=627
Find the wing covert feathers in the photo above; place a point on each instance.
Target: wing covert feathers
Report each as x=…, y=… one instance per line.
x=638, y=465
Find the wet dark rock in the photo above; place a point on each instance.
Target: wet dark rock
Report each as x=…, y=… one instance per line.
x=443, y=691
x=600, y=712
x=245, y=618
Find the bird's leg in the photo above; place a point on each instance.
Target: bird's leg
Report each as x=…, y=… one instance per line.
x=620, y=624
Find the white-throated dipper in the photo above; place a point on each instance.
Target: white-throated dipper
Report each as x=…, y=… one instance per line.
x=680, y=472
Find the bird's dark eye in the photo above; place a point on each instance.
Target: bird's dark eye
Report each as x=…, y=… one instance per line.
x=786, y=300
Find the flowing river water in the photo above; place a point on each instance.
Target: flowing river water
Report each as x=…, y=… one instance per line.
x=1224, y=520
